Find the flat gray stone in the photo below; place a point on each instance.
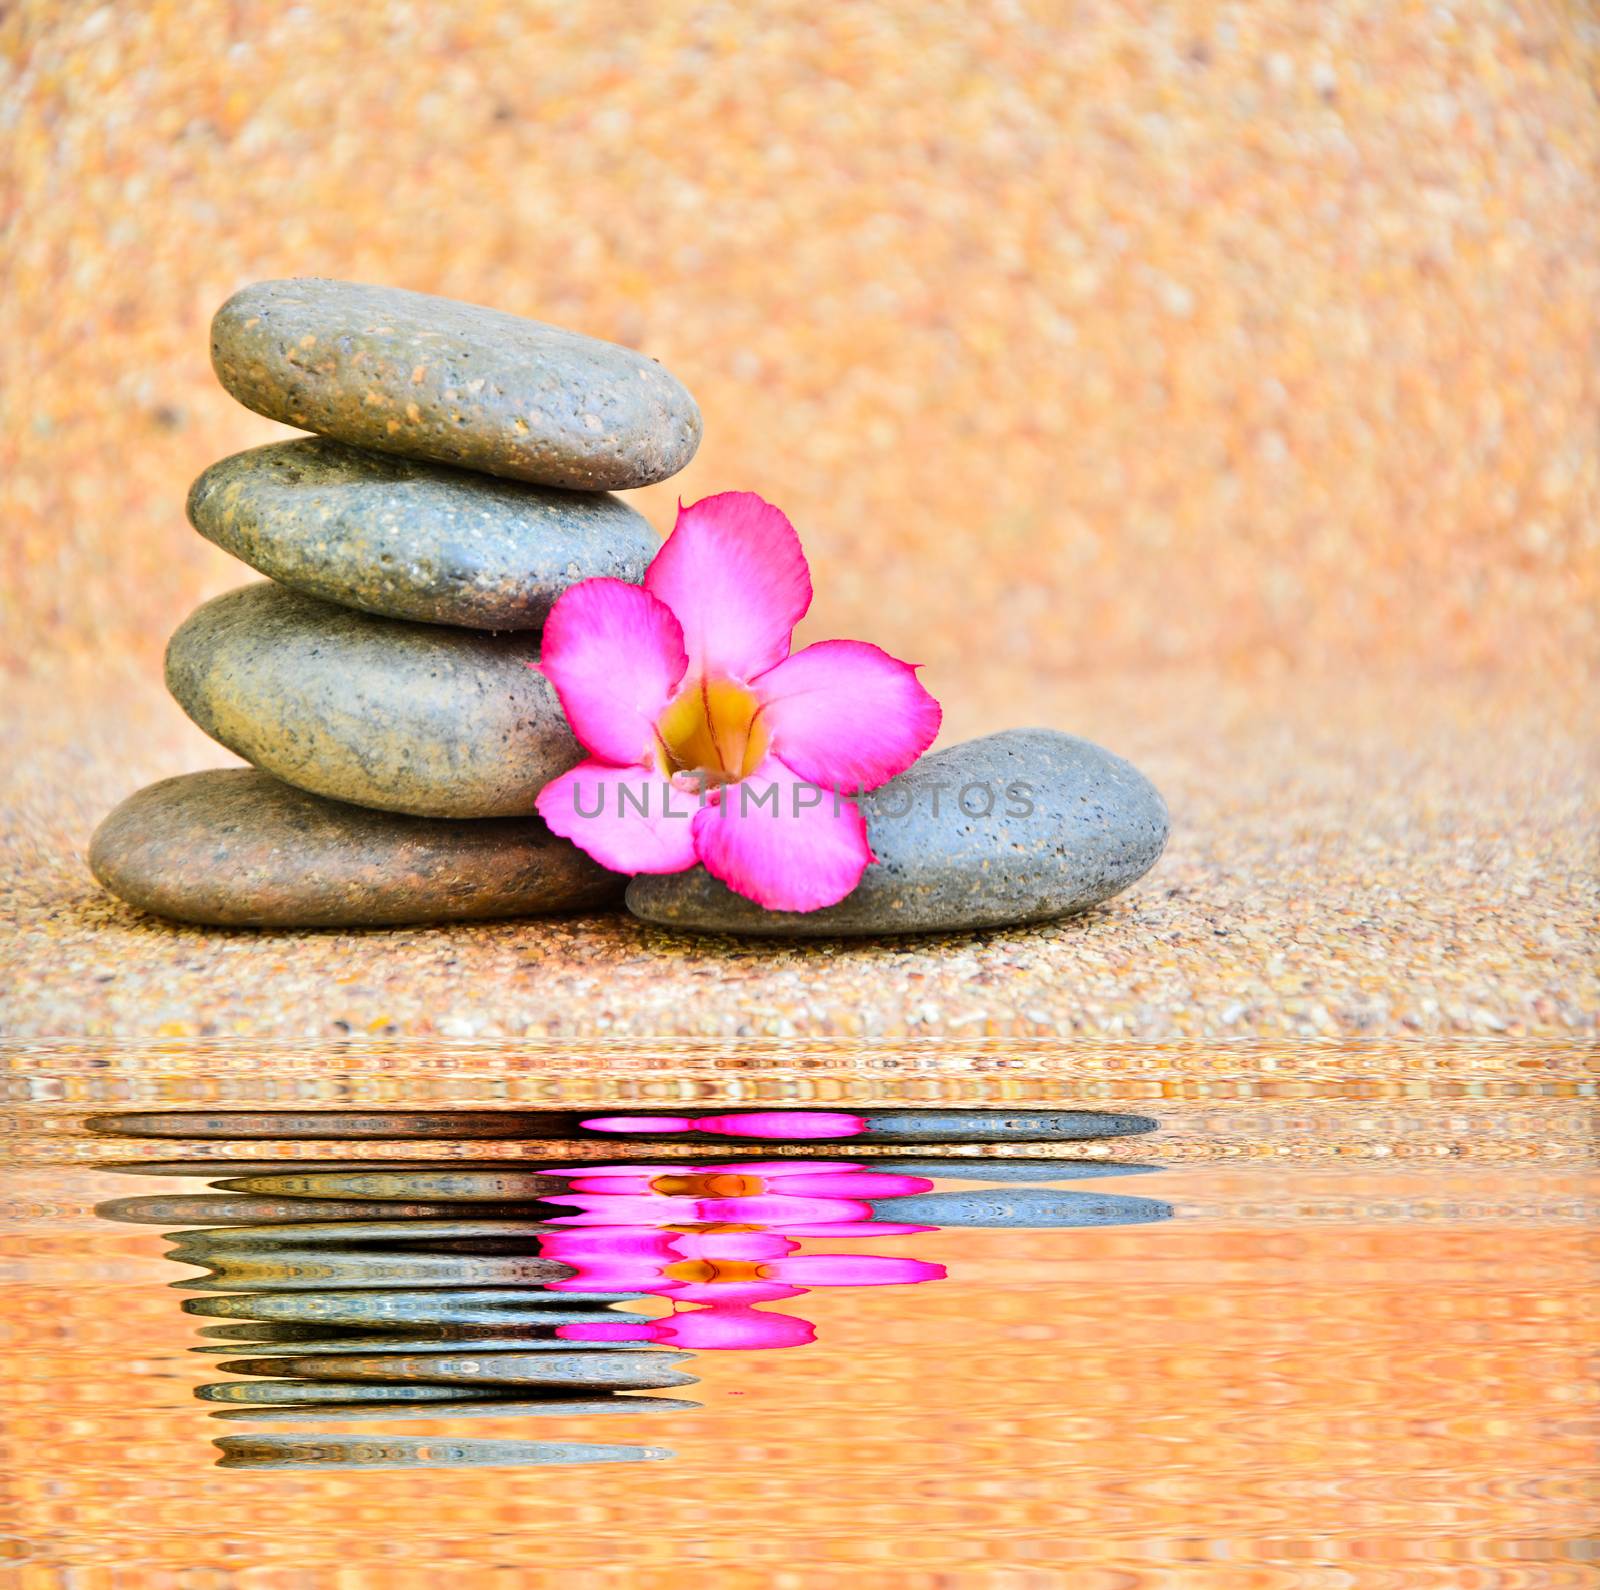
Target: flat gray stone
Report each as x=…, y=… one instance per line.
x=312, y=1269
x=409, y=539
x=1025, y=1208
x=399, y=1310
x=401, y=1452
x=435, y=378
x=482, y=1407
x=1094, y=825
x=1011, y=1170
x=237, y=848
x=644, y=1370
x=403, y=717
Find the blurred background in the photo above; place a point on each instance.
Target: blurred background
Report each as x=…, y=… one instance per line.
x=1085, y=335
x=1220, y=381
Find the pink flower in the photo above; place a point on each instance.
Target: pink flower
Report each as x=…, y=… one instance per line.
x=708, y=741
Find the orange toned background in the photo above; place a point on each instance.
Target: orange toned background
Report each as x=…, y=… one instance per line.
x=1081, y=336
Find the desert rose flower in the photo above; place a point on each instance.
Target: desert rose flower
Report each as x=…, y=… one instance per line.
x=708, y=742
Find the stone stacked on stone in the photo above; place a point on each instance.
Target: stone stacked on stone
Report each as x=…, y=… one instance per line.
x=458, y=481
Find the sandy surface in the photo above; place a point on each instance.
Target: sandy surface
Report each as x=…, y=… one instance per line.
x=1356, y=856
x=1217, y=382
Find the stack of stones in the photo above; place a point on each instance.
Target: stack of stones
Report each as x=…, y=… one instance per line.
x=459, y=479
x=378, y=681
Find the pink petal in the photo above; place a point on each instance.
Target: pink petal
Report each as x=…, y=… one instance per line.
x=609, y=1331
x=619, y=816
x=733, y=573
x=779, y=1167
x=853, y=1269
x=638, y=1123
x=615, y=655
x=867, y=1228
x=783, y=842
x=717, y=1328
x=783, y=1124
x=844, y=712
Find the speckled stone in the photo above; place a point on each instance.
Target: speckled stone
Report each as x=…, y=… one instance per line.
x=399, y=1309
x=1096, y=825
x=404, y=717
x=1012, y=1170
x=644, y=1369
x=485, y=1407
x=409, y=539
x=1027, y=1208
x=435, y=378
x=399, y=1452
x=237, y=848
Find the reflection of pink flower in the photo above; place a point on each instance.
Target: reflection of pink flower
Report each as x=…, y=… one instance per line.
x=687, y=682
x=793, y=1125
x=716, y=1239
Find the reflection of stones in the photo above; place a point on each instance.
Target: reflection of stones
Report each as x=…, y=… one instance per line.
x=402, y=1452
x=477, y=1339
x=383, y=1125
x=484, y=1407
x=380, y=1309
x=442, y=1186
x=219, y=1209
x=291, y=1269
x=429, y=1234
x=303, y=1391
x=953, y=1169
x=642, y=1368
x=1033, y=1208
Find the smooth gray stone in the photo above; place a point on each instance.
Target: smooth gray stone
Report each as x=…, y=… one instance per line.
x=642, y=1370
x=303, y=1391
x=517, y=1339
x=1026, y=1208
x=402, y=1452
x=235, y=847
x=1012, y=1170
x=1002, y=1126
x=485, y=1407
x=429, y=377
x=408, y=539
x=228, y=1240
x=216, y=1209
x=1096, y=825
x=379, y=712
x=312, y=1269
x=442, y=1186
x=382, y=1310
x=312, y=1125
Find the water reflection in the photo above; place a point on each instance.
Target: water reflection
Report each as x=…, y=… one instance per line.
x=363, y=1289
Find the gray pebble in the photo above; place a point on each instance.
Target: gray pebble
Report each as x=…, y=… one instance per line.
x=1022, y=826
x=409, y=539
x=457, y=383
x=399, y=716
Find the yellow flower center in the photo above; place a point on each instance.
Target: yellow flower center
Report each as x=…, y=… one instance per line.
x=712, y=729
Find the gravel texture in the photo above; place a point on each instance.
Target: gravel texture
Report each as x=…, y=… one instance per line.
x=1350, y=856
x=1218, y=385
